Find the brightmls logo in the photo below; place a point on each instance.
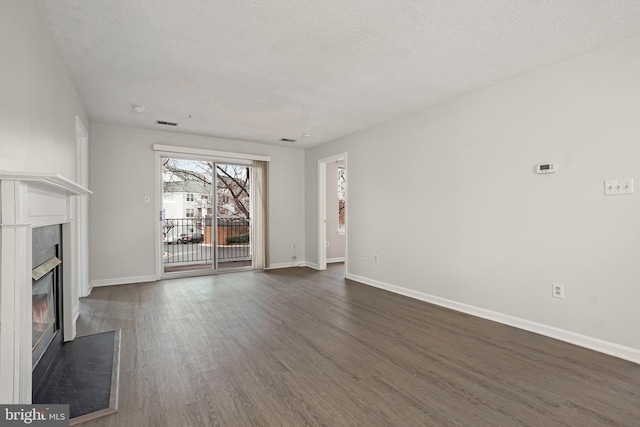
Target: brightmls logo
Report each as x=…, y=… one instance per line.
x=36, y=415
x=27, y=416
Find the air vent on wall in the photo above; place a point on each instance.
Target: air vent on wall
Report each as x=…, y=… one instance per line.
x=162, y=122
x=287, y=140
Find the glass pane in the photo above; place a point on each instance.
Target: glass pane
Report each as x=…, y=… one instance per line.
x=42, y=310
x=187, y=202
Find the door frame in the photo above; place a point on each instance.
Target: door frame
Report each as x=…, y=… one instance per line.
x=322, y=210
x=163, y=150
x=198, y=155
x=82, y=211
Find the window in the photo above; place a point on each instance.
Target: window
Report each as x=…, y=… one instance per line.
x=190, y=197
x=341, y=198
x=189, y=213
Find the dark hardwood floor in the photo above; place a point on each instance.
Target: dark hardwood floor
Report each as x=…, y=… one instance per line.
x=298, y=347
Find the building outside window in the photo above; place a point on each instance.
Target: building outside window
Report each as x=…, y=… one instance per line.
x=189, y=213
x=341, y=199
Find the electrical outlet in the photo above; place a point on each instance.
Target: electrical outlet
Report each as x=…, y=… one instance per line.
x=361, y=255
x=293, y=245
x=147, y=199
x=376, y=258
x=557, y=290
x=327, y=242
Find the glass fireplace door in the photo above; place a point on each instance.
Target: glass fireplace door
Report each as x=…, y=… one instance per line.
x=44, y=315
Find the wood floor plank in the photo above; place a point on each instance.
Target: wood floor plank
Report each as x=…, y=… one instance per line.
x=297, y=347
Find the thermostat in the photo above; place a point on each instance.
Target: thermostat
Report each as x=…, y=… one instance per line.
x=546, y=168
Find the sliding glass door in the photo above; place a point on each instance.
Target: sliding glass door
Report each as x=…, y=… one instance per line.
x=206, y=215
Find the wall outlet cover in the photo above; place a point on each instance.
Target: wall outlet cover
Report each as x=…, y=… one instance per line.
x=557, y=290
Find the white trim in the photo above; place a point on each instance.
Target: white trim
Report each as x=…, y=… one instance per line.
x=82, y=130
x=322, y=208
x=49, y=181
x=346, y=215
x=159, y=206
x=209, y=153
x=76, y=313
x=81, y=247
x=312, y=265
x=70, y=280
x=285, y=265
x=322, y=214
x=15, y=362
x=123, y=281
x=596, y=344
x=337, y=259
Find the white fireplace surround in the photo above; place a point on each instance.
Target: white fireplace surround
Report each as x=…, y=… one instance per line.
x=27, y=201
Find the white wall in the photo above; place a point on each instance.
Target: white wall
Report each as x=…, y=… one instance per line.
x=38, y=102
x=38, y=109
x=336, y=241
x=123, y=173
x=489, y=232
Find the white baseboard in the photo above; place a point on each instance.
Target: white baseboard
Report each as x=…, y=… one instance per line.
x=596, y=344
x=313, y=265
x=337, y=259
x=301, y=264
x=90, y=288
x=286, y=265
x=123, y=281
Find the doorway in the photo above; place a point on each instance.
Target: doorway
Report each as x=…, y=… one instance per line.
x=332, y=210
x=206, y=216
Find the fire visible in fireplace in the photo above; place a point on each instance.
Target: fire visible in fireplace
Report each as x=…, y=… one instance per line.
x=40, y=311
x=43, y=310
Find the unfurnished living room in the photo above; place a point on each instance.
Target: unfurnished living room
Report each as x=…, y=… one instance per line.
x=337, y=213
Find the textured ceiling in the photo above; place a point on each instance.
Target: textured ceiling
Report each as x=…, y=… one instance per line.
x=261, y=70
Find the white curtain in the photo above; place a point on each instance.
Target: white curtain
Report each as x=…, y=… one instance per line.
x=260, y=214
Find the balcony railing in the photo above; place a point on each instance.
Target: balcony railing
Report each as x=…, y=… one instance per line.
x=191, y=240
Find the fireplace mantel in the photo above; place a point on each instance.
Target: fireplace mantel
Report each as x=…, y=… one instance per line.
x=29, y=200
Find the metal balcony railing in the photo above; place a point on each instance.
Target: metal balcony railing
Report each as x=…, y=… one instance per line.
x=192, y=240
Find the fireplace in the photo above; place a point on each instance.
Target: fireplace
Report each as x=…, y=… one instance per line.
x=39, y=295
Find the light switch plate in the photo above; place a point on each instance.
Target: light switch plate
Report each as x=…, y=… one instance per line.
x=611, y=187
x=615, y=187
x=626, y=186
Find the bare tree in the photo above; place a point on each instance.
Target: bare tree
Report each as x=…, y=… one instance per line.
x=169, y=224
x=232, y=182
